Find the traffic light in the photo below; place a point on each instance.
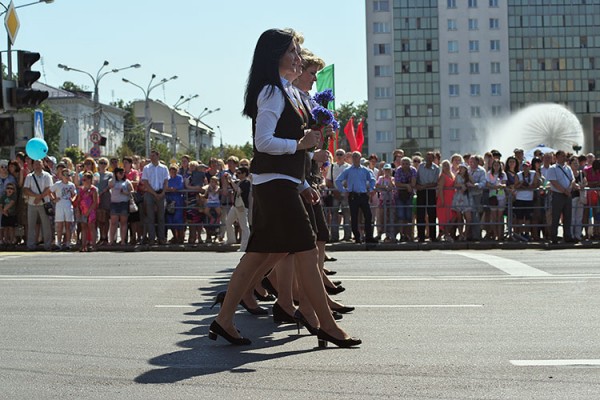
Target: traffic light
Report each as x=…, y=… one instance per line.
x=7, y=131
x=23, y=95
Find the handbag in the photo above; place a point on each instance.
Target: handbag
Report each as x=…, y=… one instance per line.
x=48, y=206
x=133, y=208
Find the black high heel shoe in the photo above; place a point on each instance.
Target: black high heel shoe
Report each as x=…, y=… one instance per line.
x=336, y=283
x=334, y=290
x=219, y=299
x=324, y=338
x=217, y=330
x=343, y=309
x=328, y=271
x=254, y=311
x=280, y=316
x=266, y=283
x=301, y=320
x=268, y=297
x=336, y=315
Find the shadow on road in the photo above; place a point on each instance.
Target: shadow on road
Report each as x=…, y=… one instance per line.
x=200, y=356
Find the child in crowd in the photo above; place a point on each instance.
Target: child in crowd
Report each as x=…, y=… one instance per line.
x=212, y=209
x=8, y=209
x=87, y=201
x=64, y=193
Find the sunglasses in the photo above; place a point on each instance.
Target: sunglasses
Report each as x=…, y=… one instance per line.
x=7, y=189
x=103, y=163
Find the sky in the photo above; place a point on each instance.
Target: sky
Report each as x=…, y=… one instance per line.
x=207, y=44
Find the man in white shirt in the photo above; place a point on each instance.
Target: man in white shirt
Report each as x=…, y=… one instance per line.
x=339, y=199
x=561, y=179
x=155, y=178
x=37, y=190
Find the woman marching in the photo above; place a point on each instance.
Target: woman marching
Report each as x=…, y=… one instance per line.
x=280, y=222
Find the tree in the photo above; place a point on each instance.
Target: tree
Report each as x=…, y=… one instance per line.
x=343, y=114
x=75, y=154
x=134, y=136
x=72, y=87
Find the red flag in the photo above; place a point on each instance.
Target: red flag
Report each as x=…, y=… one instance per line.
x=349, y=131
x=360, y=136
x=333, y=142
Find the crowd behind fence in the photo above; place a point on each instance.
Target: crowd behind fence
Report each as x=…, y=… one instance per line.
x=186, y=213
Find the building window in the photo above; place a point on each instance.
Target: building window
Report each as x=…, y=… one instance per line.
x=453, y=90
x=555, y=64
x=494, y=45
x=474, y=68
x=453, y=46
x=473, y=24
x=404, y=46
x=592, y=63
x=494, y=23
x=383, y=70
x=583, y=42
x=429, y=110
x=428, y=45
x=454, y=134
x=494, y=3
x=405, y=67
x=475, y=112
x=454, y=113
x=381, y=5
x=473, y=46
x=520, y=64
x=383, y=136
x=496, y=89
x=452, y=25
x=382, y=48
x=452, y=68
x=381, y=27
x=472, y=4
x=409, y=132
x=475, y=89
x=496, y=110
x=407, y=111
x=542, y=64
x=428, y=66
x=451, y=3
x=495, y=67
x=591, y=85
x=382, y=114
x=383, y=92
x=430, y=132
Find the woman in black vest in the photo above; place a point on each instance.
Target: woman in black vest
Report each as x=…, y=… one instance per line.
x=280, y=222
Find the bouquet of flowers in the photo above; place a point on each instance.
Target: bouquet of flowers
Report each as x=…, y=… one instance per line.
x=322, y=115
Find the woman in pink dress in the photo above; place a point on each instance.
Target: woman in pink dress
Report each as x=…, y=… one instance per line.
x=87, y=202
x=445, y=194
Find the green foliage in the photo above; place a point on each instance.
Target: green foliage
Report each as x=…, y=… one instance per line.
x=75, y=154
x=134, y=136
x=72, y=87
x=343, y=114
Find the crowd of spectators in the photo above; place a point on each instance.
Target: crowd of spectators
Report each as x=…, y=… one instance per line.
x=130, y=201
x=470, y=197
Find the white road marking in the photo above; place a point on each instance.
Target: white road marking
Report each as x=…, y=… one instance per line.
x=173, y=306
x=555, y=363
x=419, y=306
x=511, y=267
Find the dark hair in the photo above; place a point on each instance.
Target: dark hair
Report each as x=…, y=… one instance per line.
x=15, y=164
x=491, y=170
x=116, y=171
x=128, y=159
x=271, y=46
x=535, y=162
x=596, y=165
x=507, y=164
x=244, y=170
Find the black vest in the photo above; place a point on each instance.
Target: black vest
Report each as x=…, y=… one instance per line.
x=289, y=126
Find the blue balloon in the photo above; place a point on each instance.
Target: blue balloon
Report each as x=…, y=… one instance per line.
x=36, y=148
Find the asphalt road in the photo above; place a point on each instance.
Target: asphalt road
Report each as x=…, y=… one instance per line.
x=491, y=324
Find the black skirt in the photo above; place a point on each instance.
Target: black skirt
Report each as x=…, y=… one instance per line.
x=280, y=223
x=320, y=227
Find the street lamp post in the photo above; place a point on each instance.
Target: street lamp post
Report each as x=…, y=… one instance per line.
x=220, y=142
x=96, y=80
x=182, y=100
x=204, y=113
x=147, y=116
